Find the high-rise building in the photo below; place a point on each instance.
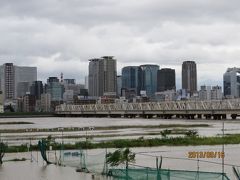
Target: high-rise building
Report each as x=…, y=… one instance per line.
x=8, y=81
x=205, y=93
x=70, y=84
x=29, y=103
x=55, y=88
x=189, y=76
x=14, y=79
x=166, y=79
x=76, y=88
x=46, y=102
x=68, y=96
x=36, y=89
x=69, y=81
x=24, y=76
x=132, y=79
x=149, y=79
x=168, y=95
x=1, y=98
x=86, y=82
x=23, y=88
x=231, y=82
x=119, y=85
x=216, y=93
x=210, y=93
x=102, y=76
x=1, y=102
x=52, y=79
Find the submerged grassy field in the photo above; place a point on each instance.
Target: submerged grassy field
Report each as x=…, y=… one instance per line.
x=141, y=142
x=69, y=129
x=162, y=139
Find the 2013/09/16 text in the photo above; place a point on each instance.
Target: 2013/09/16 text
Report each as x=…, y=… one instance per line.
x=205, y=154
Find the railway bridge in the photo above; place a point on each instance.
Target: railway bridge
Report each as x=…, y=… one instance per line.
x=214, y=109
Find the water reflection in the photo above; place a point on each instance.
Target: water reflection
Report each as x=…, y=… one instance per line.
x=214, y=129
x=173, y=158
x=39, y=171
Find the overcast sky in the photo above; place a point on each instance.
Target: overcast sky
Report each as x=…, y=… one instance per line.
x=61, y=35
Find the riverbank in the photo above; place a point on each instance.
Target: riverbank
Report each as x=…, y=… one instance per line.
x=102, y=128
x=26, y=114
x=141, y=142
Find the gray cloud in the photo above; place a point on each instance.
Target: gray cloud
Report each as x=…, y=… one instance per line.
x=61, y=35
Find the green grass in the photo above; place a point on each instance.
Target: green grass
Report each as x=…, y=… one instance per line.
x=123, y=143
x=175, y=141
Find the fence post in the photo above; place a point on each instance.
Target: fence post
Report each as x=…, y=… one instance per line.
x=168, y=174
x=147, y=172
x=126, y=170
x=105, y=167
x=157, y=165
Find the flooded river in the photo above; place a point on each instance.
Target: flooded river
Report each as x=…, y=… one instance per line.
x=173, y=157
x=17, y=138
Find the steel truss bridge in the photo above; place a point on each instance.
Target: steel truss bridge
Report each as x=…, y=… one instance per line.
x=216, y=109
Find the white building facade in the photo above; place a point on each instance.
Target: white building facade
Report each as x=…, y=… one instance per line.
x=14, y=79
x=231, y=83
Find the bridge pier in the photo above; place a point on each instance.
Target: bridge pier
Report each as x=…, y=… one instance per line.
x=224, y=116
x=208, y=116
x=168, y=116
x=188, y=116
x=115, y=115
x=147, y=116
x=133, y=116
x=102, y=115
x=130, y=115
x=183, y=116
x=233, y=116
x=160, y=116
x=192, y=116
x=217, y=117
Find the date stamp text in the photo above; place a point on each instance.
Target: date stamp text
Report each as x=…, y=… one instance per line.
x=206, y=154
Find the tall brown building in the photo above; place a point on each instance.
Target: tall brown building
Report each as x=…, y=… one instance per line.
x=189, y=76
x=102, y=78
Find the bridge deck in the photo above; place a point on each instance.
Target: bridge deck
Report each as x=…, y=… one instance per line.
x=207, y=108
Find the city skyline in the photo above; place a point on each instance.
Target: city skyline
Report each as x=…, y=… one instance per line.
x=143, y=80
x=137, y=32
x=178, y=75
x=119, y=89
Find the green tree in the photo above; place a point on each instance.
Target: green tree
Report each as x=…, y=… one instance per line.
x=2, y=151
x=121, y=156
